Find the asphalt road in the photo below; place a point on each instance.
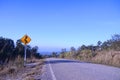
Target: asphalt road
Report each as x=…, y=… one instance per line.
x=63, y=69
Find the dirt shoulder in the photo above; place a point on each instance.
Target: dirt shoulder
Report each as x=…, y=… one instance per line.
x=32, y=71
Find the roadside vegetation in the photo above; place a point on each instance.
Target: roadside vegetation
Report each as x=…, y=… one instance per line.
x=107, y=52
x=12, y=59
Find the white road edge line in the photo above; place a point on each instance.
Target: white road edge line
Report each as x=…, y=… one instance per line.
x=52, y=73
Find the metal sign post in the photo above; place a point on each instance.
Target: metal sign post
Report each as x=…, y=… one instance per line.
x=25, y=39
x=25, y=55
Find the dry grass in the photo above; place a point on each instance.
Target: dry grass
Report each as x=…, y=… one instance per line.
x=108, y=57
x=16, y=71
x=32, y=72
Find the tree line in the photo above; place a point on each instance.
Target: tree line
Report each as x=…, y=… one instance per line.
x=9, y=51
x=111, y=44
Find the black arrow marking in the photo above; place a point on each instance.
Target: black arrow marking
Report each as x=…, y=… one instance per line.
x=26, y=39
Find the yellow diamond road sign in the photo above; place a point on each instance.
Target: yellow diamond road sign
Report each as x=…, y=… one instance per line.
x=25, y=39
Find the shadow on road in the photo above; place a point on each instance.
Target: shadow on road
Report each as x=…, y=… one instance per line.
x=61, y=61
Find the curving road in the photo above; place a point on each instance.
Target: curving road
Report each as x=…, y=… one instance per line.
x=63, y=69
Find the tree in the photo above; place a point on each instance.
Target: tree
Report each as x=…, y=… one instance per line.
x=29, y=51
x=72, y=49
x=90, y=47
x=83, y=47
x=73, y=52
x=6, y=49
x=79, y=49
x=38, y=55
x=63, y=51
x=99, y=43
x=34, y=50
x=116, y=37
x=19, y=50
x=115, y=42
x=54, y=54
x=106, y=45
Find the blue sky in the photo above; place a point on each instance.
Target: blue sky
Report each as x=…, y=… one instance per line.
x=56, y=24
